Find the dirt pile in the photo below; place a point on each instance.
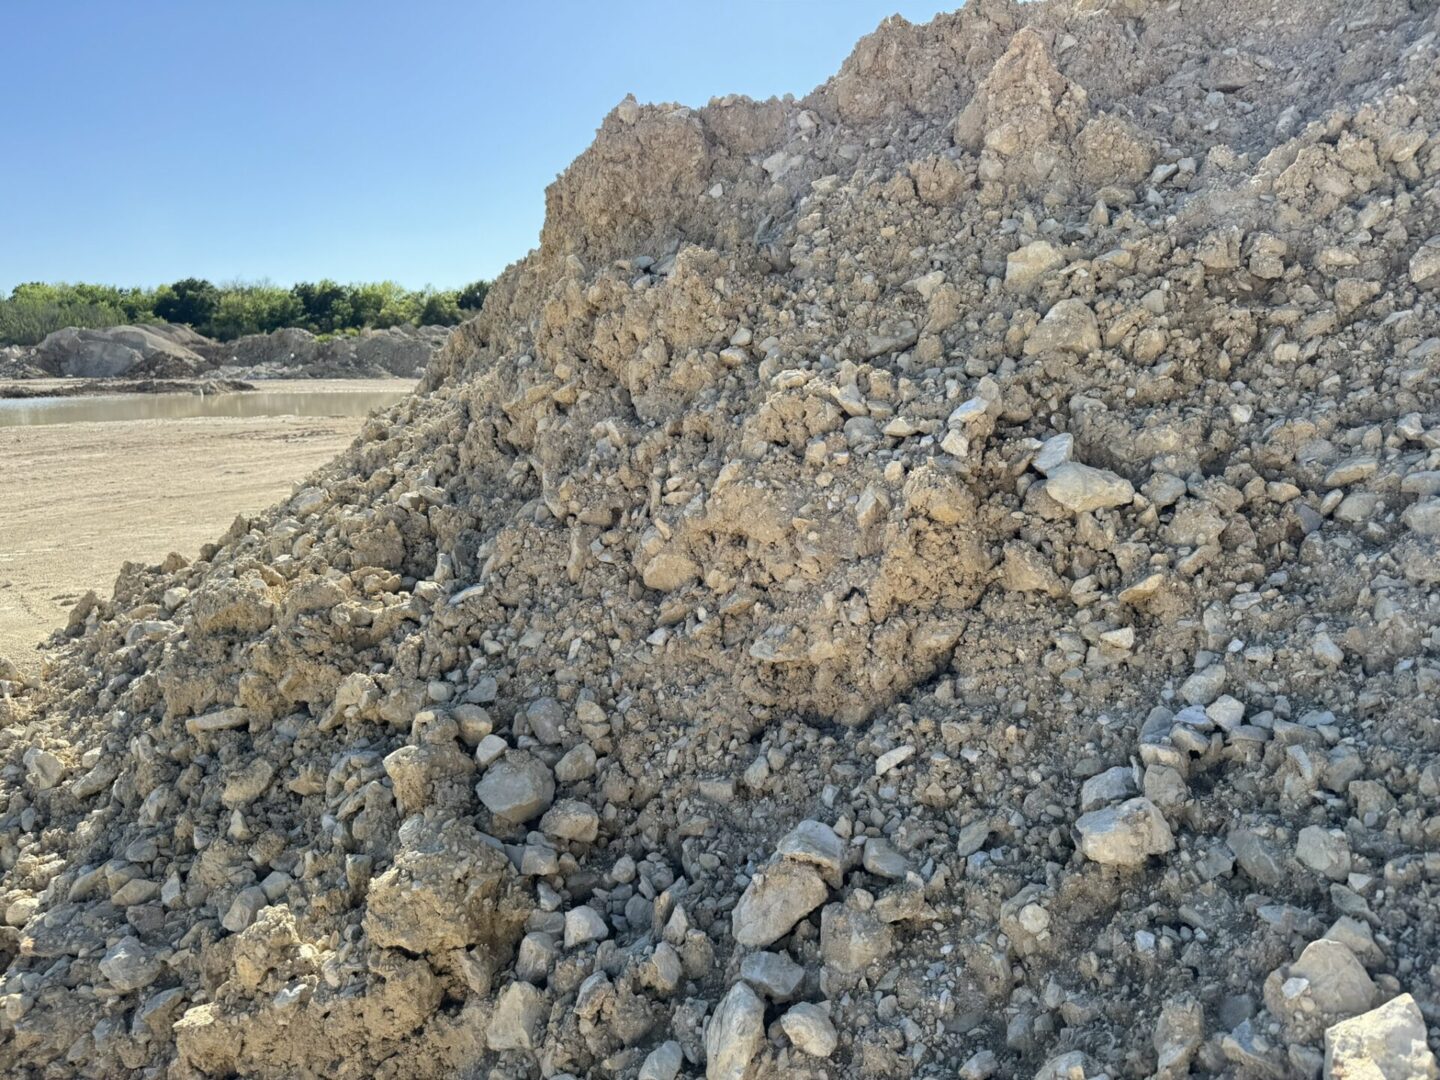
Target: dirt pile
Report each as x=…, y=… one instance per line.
x=166, y=351
x=937, y=578
x=161, y=350
x=402, y=351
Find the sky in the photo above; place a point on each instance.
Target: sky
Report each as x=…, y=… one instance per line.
x=363, y=140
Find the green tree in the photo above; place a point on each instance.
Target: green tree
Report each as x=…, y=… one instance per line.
x=252, y=309
x=192, y=301
x=472, y=296
x=326, y=305
x=439, y=309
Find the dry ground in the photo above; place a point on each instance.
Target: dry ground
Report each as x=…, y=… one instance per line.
x=77, y=500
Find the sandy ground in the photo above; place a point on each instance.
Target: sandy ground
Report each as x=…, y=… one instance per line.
x=77, y=500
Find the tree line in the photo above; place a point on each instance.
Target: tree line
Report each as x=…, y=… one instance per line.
x=228, y=311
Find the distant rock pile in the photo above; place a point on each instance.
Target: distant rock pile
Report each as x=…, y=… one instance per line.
x=934, y=579
x=156, y=351
x=166, y=351
x=400, y=351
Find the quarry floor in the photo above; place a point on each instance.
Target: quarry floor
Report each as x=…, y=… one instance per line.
x=79, y=499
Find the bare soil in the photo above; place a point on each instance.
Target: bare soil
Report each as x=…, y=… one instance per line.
x=83, y=498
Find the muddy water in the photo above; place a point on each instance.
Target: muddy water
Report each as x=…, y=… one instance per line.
x=290, y=401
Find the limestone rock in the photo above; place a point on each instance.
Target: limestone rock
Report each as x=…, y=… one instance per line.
x=1338, y=983
x=448, y=889
x=571, y=819
x=809, y=1028
x=773, y=974
x=778, y=896
x=129, y=966
x=662, y=1063
x=43, y=770
x=1069, y=326
x=519, y=1019
x=1026, y=265
x=1080, y=489
x=1388, y=1043
x=734, y=1035
x=1125, y=835
x=852, y=939
x=518, y=788
x=1425, y=264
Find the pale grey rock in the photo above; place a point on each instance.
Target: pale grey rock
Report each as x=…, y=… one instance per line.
x=1054, y=452
x=1325, y=852
x=1423, y=517
x=808, y=1027
x=773, y=974
x=662, y=1063
x=1425, y=264
x=577, y=764
x=881, y=859
x=815, y=843
x=1125, y=835
x=546, y=718
x=1388, y=1043
x=129, y=966
x=490, y=749
x=778, y=896
x=1339, y=985
x=570, y=819
x=735, y=1034
x=1069, y=326
x=43, y=770
x=1025, y=266
x=980, y=1065
x=1072, y=1065
x=1204, y=686
x=1080, y=488
x=584, y=925
x=517, y=788
x=519, y=1018
x=244, y=908
x=1110, y=786
x=247, y=783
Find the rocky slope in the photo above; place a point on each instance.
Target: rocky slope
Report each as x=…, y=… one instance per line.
x=933, y=579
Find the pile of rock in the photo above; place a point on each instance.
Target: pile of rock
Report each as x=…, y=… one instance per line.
x=932, y=579
x=400, y=352
x=166, y=351
x=160, y=351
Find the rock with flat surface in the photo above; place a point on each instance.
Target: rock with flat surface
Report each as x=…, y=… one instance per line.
x=815, y=843
x=1425, y=264
x=1026, y=265
x=1338, y=983
x=778, y=896
x=519, y=1018
x=517, y=788
x=734, y=1035
x=774, y=974
x=1069, y=326
x=1080, y=488
x=809, y=1028
x=129, y=965
x=1388, y=1043
x=1125, y=835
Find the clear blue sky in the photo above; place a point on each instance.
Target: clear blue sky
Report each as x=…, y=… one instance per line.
x=146, y=141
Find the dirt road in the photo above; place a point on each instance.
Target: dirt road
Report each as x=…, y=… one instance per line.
x=77, y=500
